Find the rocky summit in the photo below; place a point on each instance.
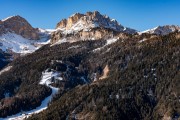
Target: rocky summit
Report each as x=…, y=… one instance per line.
x=20, y=26
x=90, y=20
x=89, y=26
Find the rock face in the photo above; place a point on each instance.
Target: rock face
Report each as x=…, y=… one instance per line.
x=91, y=20
x=89, y=26
x=162, y=30
x=94, y=34
x=19, y=26
x=70, y=21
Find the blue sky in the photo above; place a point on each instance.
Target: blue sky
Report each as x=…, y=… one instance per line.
x=137, y=14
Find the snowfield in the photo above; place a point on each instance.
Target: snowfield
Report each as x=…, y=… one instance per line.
x=46, y=80
x=18, y=44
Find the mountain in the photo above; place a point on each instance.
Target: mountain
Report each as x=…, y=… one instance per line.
x=89, y=26
x=92, y=73
x=19, y=26
x=162, y=30
x=18, y=37
x=96, y=80
x=90, y=20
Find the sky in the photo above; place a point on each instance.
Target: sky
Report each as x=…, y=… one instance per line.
x=136, y=14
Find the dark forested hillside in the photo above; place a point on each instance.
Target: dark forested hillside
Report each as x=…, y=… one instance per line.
x=142, y=83
x=132, y=78
x=21, y=82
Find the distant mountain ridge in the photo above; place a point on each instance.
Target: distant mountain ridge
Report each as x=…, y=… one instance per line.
x=162, y=30
x=88, y=26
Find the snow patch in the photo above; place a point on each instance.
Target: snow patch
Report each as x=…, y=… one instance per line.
x=117, y=96
x=142, y=40
x=64, y=40
x=5, y=69
x=76, y=46
x=8, y=18
x=46, y=80
x=108, y=42
x=148, y=30
x=85, y=81
x=111, y=41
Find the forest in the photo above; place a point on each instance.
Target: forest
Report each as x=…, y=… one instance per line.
x=142, y=82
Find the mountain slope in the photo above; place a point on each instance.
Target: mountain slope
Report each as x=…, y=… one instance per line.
x=90, y=73
x=142, y=79
x=11, y=42
x=21, y=82
x=142, y=83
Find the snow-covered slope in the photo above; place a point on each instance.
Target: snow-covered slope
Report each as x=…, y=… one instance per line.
x=46, y=80
x=162, y=30
x=11, y=42
x=7, y=18
x=18, y=36
x=16, y=43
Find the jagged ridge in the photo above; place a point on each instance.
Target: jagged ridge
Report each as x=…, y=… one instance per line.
x=89, y=26
x=162, y=30
x=90, y=20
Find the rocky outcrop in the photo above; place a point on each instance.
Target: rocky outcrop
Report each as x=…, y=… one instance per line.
x=89, y=26
x=93, y=34
x=62, y=23
x=19, y=26
x=68, y=23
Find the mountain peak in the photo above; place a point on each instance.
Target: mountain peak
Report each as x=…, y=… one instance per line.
x=78, y=21
x=11, y=17
x=88, y=26
x=18, y=25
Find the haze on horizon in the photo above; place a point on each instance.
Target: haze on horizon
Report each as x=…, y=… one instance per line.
x=136, y=14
